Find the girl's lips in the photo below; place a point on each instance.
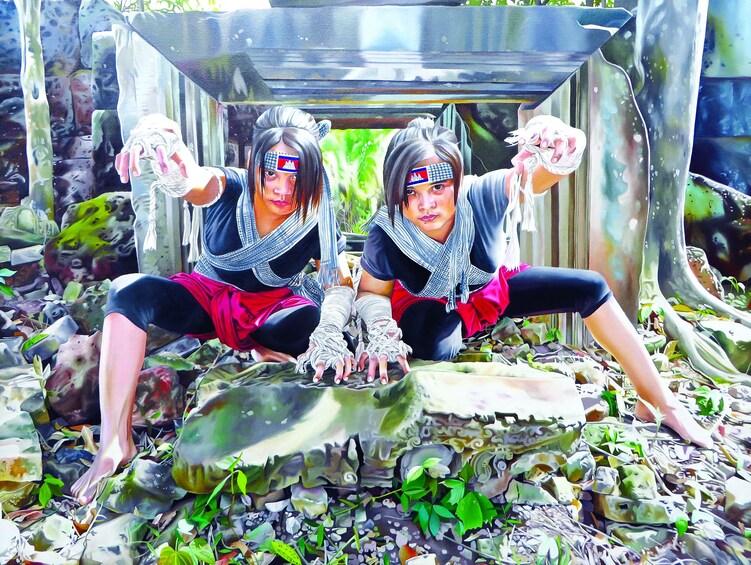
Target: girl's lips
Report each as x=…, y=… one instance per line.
x=281, y=203
x=428, y=218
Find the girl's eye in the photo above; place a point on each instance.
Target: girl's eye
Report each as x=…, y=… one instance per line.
x=437, y=187
x=409, y=192
x=270, y=174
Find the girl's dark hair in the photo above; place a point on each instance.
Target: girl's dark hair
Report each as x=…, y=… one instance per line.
x=418, y=141
x=298, y=130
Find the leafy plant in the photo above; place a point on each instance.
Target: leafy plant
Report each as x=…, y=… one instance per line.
x=554, y=334
x=681, y=526
x=433, y=502
x=354, y=159
x=709, y=401
x=736, y=295
x=50, y=488
x=610, y=397
x=5, y=288
x=193, y=553
x=286, y=552
x=613, y=440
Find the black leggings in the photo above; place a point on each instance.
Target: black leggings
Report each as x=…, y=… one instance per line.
x=436, y=334
x=146, y=299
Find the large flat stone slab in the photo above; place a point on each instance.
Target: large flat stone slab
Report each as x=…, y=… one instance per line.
x=283, y=428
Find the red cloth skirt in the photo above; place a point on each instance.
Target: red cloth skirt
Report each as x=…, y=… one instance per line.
x=236, y=314
x=484, y=307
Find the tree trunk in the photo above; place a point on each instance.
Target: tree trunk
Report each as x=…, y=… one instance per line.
x=668, y=54
x=37, y=111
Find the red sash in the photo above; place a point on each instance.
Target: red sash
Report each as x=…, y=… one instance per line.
x=236, y=314
x=484, y=307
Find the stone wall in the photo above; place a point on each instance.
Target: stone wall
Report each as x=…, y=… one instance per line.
x=82, y=94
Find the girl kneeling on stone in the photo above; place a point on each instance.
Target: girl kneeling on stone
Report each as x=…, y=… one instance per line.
x=441, y=261
x=261, y=227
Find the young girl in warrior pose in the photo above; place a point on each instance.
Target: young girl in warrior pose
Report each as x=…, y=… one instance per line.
x=261, y=228
x=442, y=259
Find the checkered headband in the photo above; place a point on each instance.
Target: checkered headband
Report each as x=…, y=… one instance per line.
x=281, y=162
x=431, y=173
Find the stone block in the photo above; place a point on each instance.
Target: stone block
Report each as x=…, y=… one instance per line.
x=735, y=340
x=524, y=493
x=114, y=542
x=60, y=101
x=107, y=142
x=51, y=533
x=95, y=16
x=10, y=351
x=535, y=333
x=606, y=481
x=73, y=386
x=20, y=453
x=105, y=89
x=73, y=183
x=297, y=430
x=738, y=500
x=25, y=255
x=159, y=397
x=146, y=487
x=637, y=482
x=661, y=510
x=96, y=241
x=83, y=102
x=54, y=336
x=21, y=390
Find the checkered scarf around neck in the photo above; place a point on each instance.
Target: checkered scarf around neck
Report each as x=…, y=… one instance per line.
x=447, y=262
x=256, y=252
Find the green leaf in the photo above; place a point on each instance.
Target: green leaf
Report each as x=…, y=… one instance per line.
x=45, y=495
x=31, y=341
x=182, y=556
x=405, y=500
x=242, y=482
x=466, y=473
x=52, y=480
x=423, y=517
x=201, y=549
x=681, y=526
x=6, y=290
x=6, y=273
x=285, y=551
x=414, y=475
x=442, y=511
x=434, y=525
x=356, y=535
x=469, y=511
x=453, y=483
x=430, y=462
x=319, y=536
x=386, y=559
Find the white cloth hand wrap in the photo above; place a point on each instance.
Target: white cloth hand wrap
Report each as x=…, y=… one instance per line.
x=568, y=163
x=523, y=213
x=327, y=344
x=384, y=336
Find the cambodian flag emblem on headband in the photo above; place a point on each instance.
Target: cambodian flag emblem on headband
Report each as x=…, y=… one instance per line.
x=417, y=176
x=430, y=173
x=281, y=162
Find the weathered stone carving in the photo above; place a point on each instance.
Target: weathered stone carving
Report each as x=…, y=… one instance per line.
x=283, y=428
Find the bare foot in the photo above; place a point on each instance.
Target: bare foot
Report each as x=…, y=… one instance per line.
x=264, y=354
x=680, y=420
x=106, y=462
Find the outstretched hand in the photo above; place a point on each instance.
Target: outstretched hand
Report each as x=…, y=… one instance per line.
x=160, y=147
x=544, y=135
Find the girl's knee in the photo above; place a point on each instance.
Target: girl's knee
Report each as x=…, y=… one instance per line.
x=595, y=292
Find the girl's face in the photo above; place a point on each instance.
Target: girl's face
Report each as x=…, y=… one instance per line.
x=431, y=206
x=276, y=197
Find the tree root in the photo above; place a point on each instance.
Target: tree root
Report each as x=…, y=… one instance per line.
x=703, y=354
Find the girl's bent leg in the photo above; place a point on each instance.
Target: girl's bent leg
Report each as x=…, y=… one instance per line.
x=430, y=331
x=123, y=349
x=286, y=332
x=134, y=301
x=612, y=329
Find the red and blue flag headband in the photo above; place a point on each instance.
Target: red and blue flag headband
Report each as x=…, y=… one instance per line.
x=430, y=174
x=281, y=162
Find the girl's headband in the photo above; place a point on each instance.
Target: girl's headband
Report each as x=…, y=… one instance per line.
x=281, y=162
x=430, y=174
